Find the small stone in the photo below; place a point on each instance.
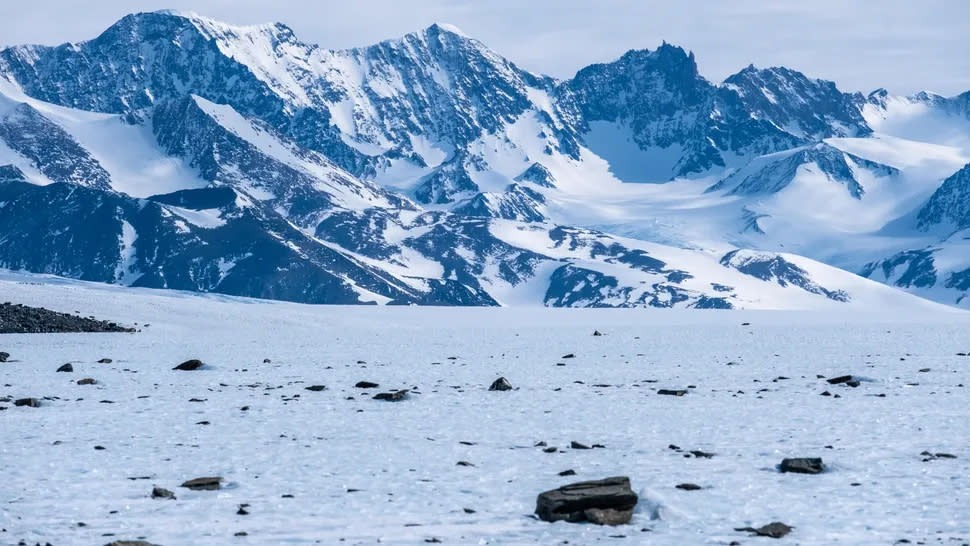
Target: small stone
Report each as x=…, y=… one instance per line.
x=105, y=361
x=775, y=529
x=86, y=381
x=839, y=379
x=4, y=356
x=464, y=463
x=28, y=402
x=672, y=392
x=204, y=484
x=242, y=510
x=597, y=333
x=701, y=454
x=189, y=365
x=576, y=445
x=550, y=449
x=569, y=472
x=688, y=486
x=162, y=493
x=99, y=448
x=395, y=396
x=241, y=534
x=66, y=368
x=366, y=385
x=316, y=388
x=570, y=355
x=500, y=384
x=267, y=361
x=803, y=465
x=468, y=510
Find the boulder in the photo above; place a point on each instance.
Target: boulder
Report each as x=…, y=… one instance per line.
x=189, y=365
x=366, y=385
x=316, y=388
x=839, y=379
x=86, y=381
x=803, y=465
x=105, y=361
x=4, y=356
x=395, y=396
x=28, y=402
x=162, y=493
x=672, y=392
x=605, y=502
x=204, y=484
x=66, y=368
x=500, y=384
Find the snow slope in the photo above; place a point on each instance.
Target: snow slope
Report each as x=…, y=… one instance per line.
x=338, y=467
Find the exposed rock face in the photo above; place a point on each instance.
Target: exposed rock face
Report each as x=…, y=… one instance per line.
x=605, y=502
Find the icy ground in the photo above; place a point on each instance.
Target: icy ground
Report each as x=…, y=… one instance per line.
x=362, y=471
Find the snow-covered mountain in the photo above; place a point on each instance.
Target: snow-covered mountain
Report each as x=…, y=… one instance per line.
x=174, y=151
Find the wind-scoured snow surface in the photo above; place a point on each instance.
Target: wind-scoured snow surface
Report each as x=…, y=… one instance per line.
x=362, y=471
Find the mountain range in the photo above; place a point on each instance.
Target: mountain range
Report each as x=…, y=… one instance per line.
x=175, y=151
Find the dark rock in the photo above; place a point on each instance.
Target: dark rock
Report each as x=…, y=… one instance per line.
x=701, y=454
x=839, y=379
x=468, y=510
x=576, y=445
x=130, y=543
x=242, y=510
x=550, y=449
x=605, y=502
x=569, y=472
x=99, y=448
x=366, y=385
x=464, y=463
x=803, y=465
x=570, y=355
x=774, y=529
x=267, y=361
x=500, y=384
x=66, y=368
x=853, y=383
x=597, y=333
x=316, y=388
x=204, y=484
x=162, y=493
x=86, y=381
x=688, y=486
x=672, y=392
x=28, y=402
x=4, y=356
x=189, y=365
x=105, y=361
x=395, y=396
x=21, y=319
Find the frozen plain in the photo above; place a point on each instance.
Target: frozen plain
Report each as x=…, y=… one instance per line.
x=362, y=471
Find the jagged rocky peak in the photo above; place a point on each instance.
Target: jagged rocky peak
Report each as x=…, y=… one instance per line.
x=950, y=204
x=775, y=172
x=806, y=107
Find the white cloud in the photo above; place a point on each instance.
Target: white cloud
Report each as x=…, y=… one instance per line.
x=902, y=45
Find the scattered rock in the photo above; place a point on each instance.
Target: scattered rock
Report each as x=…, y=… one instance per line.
x=576, y=445
x=189, y=365
x=242, y=510
x=672, y=392
x=605, y=502
x=316, y=388
x=597, y=333
x=570, y=355
x=204, y=484
x=701, y=454
x=105, y=361
x=267, y=361
x=130, y=543
x=500, y=384
x=569, y=472
x=366, y=385
x=86, y=381
x=464, y=463
x=395, y=396
x=162, y=493
x=803, y=465
x=933, y=456
x=775, y=529
x=4, y=356
x=688, y=486
x=28, y=402
x=66, y=368
x=839, y=379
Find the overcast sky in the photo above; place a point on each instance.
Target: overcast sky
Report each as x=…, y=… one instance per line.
x=904, y=46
